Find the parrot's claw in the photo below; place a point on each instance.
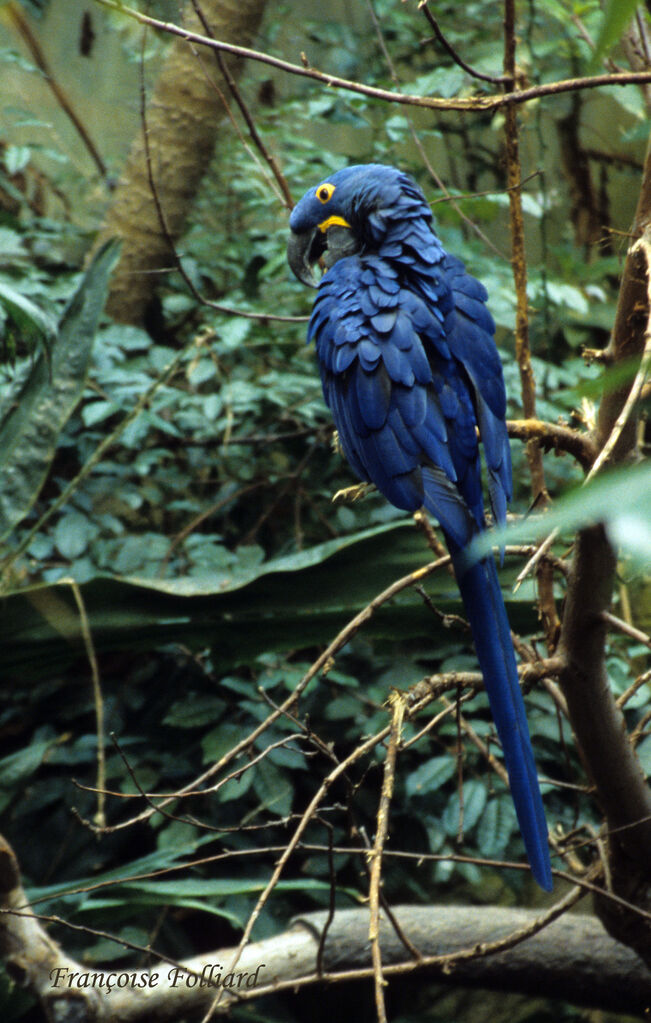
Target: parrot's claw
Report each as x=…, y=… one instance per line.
x=354, y=493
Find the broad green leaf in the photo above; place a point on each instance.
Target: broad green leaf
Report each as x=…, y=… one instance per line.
x=216, y=888
x=273, y=788
x=195, y=713
x=620, y=499
x=16, y=158
x=218, y=741
x=617, y=15
x=21, y=765
x=76, y=890
x=495, y=826
x=430, y=776
x=474, y=801
x=35, y=410
x=235, y=788
x=196, y=893
x=72, y=533
x=291, y=602
x=12, y=245
x=29, y=318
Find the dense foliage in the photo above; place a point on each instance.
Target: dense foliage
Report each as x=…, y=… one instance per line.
x=203, y=548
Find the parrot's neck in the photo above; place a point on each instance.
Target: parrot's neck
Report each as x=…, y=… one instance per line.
x=411, y=245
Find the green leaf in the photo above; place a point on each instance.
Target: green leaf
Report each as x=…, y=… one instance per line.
x=474, y=801
x=194, y=713
x=273, y=789
x=617, y=15
x=430, y=776
x=286, y=603
x=27, y=316
x=12, y=245
x=72, y=534
x=97, y=411
x=218, y=741
x=34, y=411
x=23, y=763
x=619, y=499
x=495, y=826
x=16, y=158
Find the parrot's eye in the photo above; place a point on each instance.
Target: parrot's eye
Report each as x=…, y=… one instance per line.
x=324, y=192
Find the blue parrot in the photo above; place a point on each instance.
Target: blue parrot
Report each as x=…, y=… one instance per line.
x=411, y=374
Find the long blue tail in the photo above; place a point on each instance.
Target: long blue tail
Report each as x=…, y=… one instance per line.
x=482, y=598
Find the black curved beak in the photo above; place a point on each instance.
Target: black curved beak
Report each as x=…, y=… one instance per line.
x=319, y=247
x=304, y=251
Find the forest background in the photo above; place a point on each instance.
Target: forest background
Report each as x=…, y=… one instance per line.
x=198, y=645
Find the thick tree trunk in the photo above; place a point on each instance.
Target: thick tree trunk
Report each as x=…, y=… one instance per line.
x=597, y=720
x=184, y=116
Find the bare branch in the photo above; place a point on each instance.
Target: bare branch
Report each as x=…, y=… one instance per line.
x=266, y=154
x=480, y=946
x=23, y=27
x=476, y=103
x=396, y=701
x=596, y=718
x=556, y=437
x=544, y=572
x=450, y=50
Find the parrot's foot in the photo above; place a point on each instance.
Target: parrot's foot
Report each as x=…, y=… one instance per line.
x=353, y=493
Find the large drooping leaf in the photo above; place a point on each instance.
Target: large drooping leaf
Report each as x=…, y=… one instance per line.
x=44, y=395
x=289, y=603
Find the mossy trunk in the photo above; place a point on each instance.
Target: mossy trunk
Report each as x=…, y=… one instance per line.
x=184, y=118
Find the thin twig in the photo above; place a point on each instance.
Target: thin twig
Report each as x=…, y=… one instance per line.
x=626, y=628
x=535, y=559
x=447, y=46
x=359, y=752
x=331, y=899
x=267, y=155
x=22, y=25
x=640, y=681
x=447, y=195
x=167, y=234
x=625, y=414
x=321, y=664
x=100, y=813
x=544, y=575
x=397, y=704
x=640, y=377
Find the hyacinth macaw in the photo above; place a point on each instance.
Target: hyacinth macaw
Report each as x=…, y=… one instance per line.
x=411, y=373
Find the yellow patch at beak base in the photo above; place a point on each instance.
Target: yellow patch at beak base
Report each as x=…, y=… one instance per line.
x=333, y=221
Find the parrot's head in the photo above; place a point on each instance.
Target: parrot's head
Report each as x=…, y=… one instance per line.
x=350, y=212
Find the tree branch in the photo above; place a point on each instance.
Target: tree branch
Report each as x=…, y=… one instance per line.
x=23, y=27
x=456, y=57
x=486, y=103
x=556, y=437
x=544, y=571
x=597, y=720
x=491, y=947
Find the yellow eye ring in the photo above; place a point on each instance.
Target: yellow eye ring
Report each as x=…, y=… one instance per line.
x=324, y=192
